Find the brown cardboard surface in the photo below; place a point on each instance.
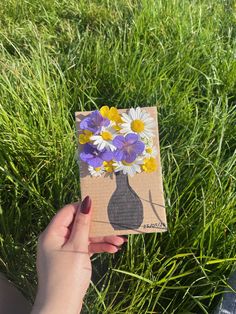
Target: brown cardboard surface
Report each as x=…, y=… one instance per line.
x=148, y=186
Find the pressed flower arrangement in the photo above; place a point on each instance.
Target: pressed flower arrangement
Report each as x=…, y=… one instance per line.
x=114, y=142
x=114, y=145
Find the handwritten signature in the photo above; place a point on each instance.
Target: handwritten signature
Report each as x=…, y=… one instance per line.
x=155, y=225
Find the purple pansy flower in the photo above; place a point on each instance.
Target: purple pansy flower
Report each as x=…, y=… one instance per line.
x=94, y=122
x=92, y=156
x=128, y=147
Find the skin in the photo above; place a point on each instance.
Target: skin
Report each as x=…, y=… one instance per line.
x=63, y=261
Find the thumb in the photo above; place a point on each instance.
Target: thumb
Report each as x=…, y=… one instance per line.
x=79, y=237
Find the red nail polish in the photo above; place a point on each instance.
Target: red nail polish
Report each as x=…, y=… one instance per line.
x=85, y=205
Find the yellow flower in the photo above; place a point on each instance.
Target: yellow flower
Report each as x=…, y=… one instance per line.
x=85, y=137
x=149, y=165
x=111, y=114
x=108, y=165
x=149, y=150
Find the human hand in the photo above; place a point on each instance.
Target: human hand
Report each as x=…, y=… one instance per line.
x=63, y=259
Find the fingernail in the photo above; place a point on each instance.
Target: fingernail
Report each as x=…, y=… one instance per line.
x=85, y=205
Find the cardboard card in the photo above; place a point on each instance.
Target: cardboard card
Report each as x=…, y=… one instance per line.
x=120, y=169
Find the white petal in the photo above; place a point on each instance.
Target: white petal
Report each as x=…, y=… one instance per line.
x=132, y=113
x=149, y=121
x=125, y=130
x=97, y=142
x=103, y=144
x=122, y=131
x=125, y=125
x=138, y=113
x=112, y=147
x=143, y=115
x=129, y=171
x=126, y=118
x=151, y=125
x=149, y=131
x=143, y=134
x=135, y=167
x=95, y=137
x=124, y=170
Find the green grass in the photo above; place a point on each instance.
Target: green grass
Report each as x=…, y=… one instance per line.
x=57, y=57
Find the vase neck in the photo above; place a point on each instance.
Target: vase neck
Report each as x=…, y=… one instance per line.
x=121, y=180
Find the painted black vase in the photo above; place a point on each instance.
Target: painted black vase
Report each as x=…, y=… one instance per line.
x=125, y=209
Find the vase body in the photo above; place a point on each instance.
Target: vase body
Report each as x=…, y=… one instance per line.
x=125, y=209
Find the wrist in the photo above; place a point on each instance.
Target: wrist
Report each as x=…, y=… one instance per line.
x=54, y=303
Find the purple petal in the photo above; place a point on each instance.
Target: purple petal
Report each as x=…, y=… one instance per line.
x=130, y=157
x=107, y=156
x=118, y=155
x=139, y=147
x=85, y=157
x=84, y=123
x=119, y=141
x=96, y=116
x=105, y=122
x=98, y=119
x=88, y=149
x=93, y=122
x=131, y=138
x=95, y=162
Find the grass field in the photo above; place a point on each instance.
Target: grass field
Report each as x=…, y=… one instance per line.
x=57, y=57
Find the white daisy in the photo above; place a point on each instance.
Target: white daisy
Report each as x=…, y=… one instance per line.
x=130, y=169
x=96, y=172
x=137, y=121
x=150, y=151
x=104, y=139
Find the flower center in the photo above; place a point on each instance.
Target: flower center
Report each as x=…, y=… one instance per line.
x=97, y=169
x=137, y=126
x=108, y=166
x=149, y=150
x=107, y=136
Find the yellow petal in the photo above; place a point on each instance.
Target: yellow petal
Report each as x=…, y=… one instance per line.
x=88, y=133
x=117, y=127
x=82, y=139
x=113, y=113
x=104, y=111
x=149, y=165
x=85, y=137
x=108, y=165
